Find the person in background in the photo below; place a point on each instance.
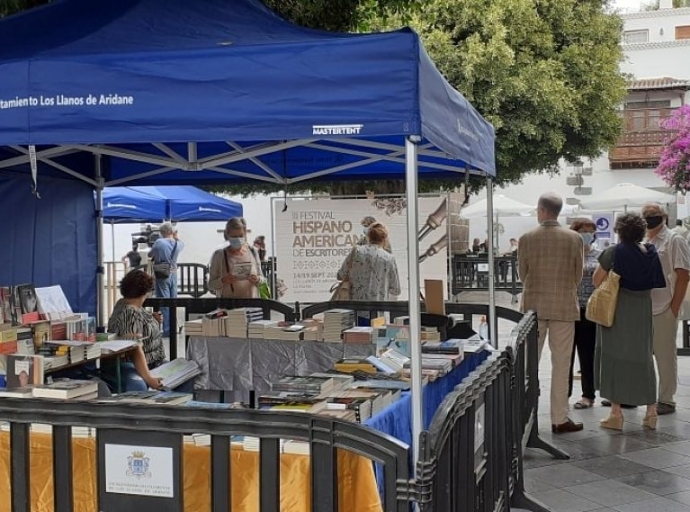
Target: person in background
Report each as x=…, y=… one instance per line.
x=550, y=266
x=585, y=331
x=623, y=367
x=130, y=320
x=674, y=254
x=367, y=222
x=680, y=229
x=476, y=246
x=235, y=270
x=371, y=270
x=260, y=247
x=513, y=248
x=166, y=250
x=484, y=246
x=132, y=259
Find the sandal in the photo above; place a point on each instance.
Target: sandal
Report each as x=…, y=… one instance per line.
x=581, y=404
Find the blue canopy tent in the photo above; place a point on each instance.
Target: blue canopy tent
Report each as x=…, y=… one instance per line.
x=173, y=203
x=179, y=92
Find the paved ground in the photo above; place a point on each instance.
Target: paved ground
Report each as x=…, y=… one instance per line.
x=633, y=471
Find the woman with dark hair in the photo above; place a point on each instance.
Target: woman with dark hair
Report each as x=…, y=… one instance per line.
x=624, y=368
x=585, y=330
x=132, y=321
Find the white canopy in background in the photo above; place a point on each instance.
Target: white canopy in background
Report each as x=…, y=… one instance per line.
x=502, y=207
x=623, y=196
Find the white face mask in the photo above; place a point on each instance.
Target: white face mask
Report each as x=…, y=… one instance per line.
x=587, y=238
x=236, y=243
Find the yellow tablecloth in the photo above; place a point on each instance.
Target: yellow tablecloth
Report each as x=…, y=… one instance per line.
x=357, y=490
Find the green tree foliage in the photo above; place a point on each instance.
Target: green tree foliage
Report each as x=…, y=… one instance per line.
x=544, y=72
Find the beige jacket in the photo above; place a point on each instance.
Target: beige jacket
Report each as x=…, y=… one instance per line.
x=550, y=262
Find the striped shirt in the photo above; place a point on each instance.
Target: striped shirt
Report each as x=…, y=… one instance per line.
x=127, y=320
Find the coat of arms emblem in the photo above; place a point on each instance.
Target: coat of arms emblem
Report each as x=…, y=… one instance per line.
x=138, y=465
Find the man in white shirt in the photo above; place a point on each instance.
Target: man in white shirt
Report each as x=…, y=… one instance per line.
x=674, y=253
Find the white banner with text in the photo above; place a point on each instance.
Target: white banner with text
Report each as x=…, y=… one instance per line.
x=314, y=236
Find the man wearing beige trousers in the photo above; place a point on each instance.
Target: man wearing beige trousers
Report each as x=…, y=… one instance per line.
x=550, y=266
x=674, y=253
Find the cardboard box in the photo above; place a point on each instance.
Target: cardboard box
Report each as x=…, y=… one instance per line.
x=433, y=297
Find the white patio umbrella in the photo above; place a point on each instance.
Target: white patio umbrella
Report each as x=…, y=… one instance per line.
x=623, y=196
x=502, y=207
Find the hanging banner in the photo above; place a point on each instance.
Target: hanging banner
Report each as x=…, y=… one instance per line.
x=314, y=236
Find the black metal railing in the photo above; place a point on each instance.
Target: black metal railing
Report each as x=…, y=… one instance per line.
x=324, y=435
x=471, y=273
x=471, y=458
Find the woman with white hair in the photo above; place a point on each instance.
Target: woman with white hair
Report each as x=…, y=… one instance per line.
x=164, y=253
x=235, y=271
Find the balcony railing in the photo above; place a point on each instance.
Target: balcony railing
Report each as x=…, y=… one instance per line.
x=638, y=147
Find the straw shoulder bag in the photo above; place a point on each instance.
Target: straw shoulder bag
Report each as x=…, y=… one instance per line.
x=601, y=306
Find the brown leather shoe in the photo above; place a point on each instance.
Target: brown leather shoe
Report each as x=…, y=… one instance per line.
x=568, y=426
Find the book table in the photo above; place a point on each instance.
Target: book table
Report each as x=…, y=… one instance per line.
x=239, y=366
x=294, y=470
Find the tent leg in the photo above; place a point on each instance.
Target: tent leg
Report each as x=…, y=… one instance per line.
x=414, y=290
x=100, y=302
x=493, y=321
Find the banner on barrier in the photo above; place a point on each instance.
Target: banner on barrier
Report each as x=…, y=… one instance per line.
x=314, y=236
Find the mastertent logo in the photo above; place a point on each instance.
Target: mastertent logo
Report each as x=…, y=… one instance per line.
x=337, y=129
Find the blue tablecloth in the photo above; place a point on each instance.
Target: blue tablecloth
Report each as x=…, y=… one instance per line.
x=396, y=419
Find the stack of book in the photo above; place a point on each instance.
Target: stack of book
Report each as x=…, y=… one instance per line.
x=194, y=327
x=354, y=365
x=359, y=335
x=304, y=385
x=279, y=400
x=68, y=389
x=359, y=406
x=335, y=322
x=238, y=321
x=84, y=353
x=176, y=372
x=149, y=398
x=257, y=328
x=430, y=334
x=450, y=347
x=291, y=333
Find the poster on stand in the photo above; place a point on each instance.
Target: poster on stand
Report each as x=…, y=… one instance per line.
x=314, y=236
x=604, y=223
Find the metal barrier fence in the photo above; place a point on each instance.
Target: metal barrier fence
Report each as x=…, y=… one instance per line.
x=325, y=436
x=470, y=460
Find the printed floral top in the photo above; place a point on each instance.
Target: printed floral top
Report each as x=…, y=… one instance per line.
x=586, y=287
x=372, y=272
x=127, y=320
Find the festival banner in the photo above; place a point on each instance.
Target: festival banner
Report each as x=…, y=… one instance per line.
x=313, y=237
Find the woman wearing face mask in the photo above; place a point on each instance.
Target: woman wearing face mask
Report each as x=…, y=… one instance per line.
x=585, y=331
x=235, y=271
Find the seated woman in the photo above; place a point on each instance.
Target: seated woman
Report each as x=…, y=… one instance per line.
x=132, y=321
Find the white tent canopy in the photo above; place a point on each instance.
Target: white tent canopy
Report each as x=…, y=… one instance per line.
x=623, y=196
x=502, y=207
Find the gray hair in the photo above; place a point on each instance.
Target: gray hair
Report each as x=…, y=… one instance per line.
x=166, y=229
x=236, y=223
x=551, y=203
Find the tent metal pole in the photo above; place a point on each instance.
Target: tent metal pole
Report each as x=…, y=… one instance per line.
x=100, y=302
x=493, y=321
x=414, y=290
